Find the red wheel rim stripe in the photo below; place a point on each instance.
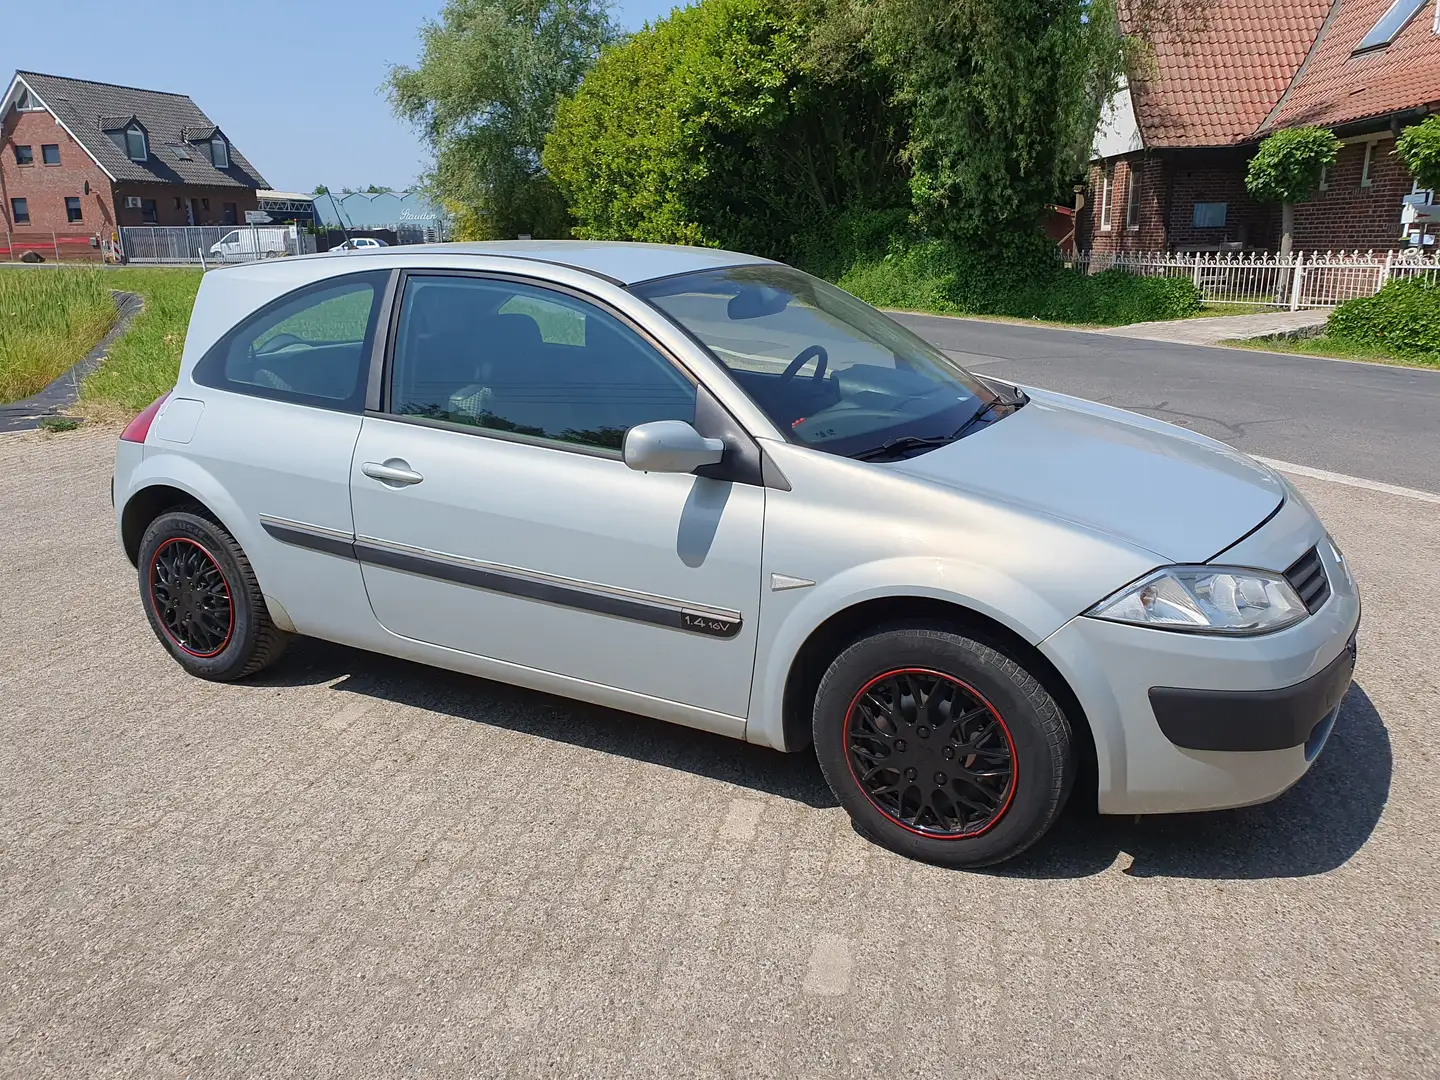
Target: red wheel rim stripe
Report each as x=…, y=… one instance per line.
x=1004, y=728
x=230, y=600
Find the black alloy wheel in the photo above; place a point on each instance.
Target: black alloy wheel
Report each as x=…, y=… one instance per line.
x=930, y=753
x=190, y=597
x=941, y=747
x=202, y=598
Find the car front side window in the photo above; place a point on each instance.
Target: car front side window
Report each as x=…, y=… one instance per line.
x=311, y=347
x=529, y=361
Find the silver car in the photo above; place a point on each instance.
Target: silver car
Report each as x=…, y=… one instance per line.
x=708, y=488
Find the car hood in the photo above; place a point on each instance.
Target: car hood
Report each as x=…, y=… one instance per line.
x=1178, y=494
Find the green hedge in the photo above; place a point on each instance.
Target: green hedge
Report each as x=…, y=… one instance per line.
x=1402, y=318
x=876, y=257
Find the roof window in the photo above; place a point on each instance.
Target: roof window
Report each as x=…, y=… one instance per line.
x=1395, y=19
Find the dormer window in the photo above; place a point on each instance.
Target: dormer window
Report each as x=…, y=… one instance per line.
x=219, y=153
x=135, y=148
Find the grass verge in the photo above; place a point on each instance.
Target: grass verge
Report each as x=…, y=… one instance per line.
x=1325, y=345
x=143, y=364
x=49, y=319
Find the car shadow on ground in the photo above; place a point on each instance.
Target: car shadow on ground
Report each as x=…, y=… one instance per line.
x=1314, y=827
x=610, y=731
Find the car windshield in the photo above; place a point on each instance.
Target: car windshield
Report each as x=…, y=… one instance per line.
x=829, y=370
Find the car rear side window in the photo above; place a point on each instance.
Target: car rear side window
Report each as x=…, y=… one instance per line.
x=516, y=358
x=311, y=347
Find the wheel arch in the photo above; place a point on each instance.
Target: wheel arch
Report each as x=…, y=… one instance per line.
x=147, y=503
x=827, y=640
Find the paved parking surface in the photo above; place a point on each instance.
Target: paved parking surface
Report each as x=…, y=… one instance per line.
x=356, y=867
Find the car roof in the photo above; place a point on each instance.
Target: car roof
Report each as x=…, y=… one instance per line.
x=624, y=262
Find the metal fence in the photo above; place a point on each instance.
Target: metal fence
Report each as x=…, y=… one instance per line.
x=1301, y=280
x=206, y=244
x=47, y=246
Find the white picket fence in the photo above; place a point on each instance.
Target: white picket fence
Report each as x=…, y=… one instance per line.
x=1301, y=280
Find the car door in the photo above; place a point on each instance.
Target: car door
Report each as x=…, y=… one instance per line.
x=494, y=513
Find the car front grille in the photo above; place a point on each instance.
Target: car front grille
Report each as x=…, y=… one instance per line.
x=1307, y=577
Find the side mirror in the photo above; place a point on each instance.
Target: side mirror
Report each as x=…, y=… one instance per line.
x=671, y=446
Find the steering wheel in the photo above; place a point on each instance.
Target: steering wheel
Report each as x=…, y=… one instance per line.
x=803, y=358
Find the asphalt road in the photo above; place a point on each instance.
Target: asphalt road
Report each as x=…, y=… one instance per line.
x=1368, y=420
x=358, y=867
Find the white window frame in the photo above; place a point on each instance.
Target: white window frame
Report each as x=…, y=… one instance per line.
x=134, y=129
x=1132, y=196
x=1107, y=192
x=34, y=103
x=1370, y=43
x=219, y=153
x=1365, y=168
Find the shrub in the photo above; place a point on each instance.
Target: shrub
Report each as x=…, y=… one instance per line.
x=714, y=126
x=1402, y=318
x=889, y=266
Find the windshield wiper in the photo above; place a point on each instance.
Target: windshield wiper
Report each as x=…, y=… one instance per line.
x=893, y=447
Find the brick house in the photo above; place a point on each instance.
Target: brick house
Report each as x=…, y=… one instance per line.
x=1171, y=154
x=84, y=157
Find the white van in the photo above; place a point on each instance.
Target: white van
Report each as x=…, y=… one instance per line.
x=255, y=242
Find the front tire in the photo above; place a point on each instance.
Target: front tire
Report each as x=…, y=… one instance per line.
x=202, y=598
x=942, y=748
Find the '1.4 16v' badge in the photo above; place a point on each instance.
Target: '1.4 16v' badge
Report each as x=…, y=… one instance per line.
x=700, y=623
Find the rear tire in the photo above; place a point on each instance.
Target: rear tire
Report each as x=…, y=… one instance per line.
x=942, y=748
x=202, y=598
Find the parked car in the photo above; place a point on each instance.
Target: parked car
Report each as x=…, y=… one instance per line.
x=360, y=243
x=254, y=242
x=709, y=488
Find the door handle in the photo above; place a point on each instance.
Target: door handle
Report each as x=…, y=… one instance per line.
x=395, y=471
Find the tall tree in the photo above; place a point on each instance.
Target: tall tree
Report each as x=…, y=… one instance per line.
x=484, y=94
x=1002, y=97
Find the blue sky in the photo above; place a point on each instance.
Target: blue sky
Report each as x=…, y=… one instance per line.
x=293, y=82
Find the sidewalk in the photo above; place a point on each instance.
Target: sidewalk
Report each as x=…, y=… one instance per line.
x=1224, y=327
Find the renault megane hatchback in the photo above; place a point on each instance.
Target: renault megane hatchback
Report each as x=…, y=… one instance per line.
x=709, y=488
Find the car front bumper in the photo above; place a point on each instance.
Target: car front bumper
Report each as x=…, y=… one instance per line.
x=1186, y=722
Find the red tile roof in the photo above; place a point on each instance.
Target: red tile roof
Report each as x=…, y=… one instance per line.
x=1335, y=87
x=1215, y=81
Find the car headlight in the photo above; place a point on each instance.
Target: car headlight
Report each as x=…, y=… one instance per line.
x=1205, y=600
